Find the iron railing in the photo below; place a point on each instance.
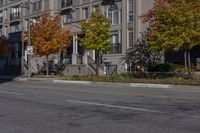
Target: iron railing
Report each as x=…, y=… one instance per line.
x=116, y=48
x=104, y=66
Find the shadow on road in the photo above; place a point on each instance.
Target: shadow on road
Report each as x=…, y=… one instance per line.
x=10, y=73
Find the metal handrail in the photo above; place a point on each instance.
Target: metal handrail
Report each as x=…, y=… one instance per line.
x=91, y=63
x=102, y=65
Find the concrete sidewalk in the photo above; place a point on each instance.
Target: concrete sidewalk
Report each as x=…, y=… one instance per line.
x=13, y=78
x=25, y=78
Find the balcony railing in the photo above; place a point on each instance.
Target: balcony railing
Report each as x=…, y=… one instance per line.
x=116, y=48
x=15, y=16
x=66, y=3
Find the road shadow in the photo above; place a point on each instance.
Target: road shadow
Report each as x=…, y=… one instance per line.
x=10, y=73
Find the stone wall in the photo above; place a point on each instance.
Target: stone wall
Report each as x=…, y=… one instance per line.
x=72, y=70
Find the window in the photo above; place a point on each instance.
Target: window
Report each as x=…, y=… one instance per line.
x=1, y=2
x=37, y=6
x=46, y=3
x=1, y=17
x=113, y=14
x=115, y=45
x=14, y=28
x=15, y=9
x=85, y=13
x=94, y=8
x=68, y=18
x=15, y=13
x=1, y=30
x=26, y=25
x=130, y=38
x=77, y=14
x=130, y=10
x=66, y=3
x=6, y=31
x=5, y=13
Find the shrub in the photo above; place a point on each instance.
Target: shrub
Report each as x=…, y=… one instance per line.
x=159, y=68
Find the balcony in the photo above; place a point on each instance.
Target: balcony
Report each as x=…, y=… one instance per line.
x=66, y=3
x=15, y=16
x=115, y=48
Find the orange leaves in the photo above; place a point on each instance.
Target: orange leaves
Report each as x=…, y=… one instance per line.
x=4, y=46
x=47, y=35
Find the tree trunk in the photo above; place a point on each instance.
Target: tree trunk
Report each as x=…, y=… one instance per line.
x=189, y=64
x=97, y=63
x=185, y=59
x=47, y=66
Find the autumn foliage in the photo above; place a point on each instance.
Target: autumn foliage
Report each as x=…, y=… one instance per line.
x=4, y=46
x=48, y=36
x=97, y=35
x=174, y=25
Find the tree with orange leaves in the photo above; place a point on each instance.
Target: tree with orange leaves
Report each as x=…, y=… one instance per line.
x=4, y=46
x=48, y=37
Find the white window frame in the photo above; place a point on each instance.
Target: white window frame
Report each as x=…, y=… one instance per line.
x=112, y=12
x=66, y=18
x=129, y=31
x=85, y=17
x=129, y=12
x=5, y=13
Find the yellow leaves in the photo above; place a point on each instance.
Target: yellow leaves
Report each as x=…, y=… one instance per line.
x=96, y=31
x=48, y=37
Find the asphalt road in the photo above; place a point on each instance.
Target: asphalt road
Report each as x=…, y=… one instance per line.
x=42, y=107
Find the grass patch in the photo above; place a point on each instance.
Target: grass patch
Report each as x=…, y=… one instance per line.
x=128, y=79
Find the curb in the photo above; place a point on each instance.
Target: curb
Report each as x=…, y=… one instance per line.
x=150, y=85
x=133, y=85
x=20, y=79
x=13, y=78
x=26, y=79
x=72, y=82
x=41, y=79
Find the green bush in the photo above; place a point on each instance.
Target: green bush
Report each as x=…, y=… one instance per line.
x=159, y=68
x=76, y=77
x=177, y=68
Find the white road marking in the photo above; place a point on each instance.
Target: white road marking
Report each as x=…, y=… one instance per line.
x=114, y=106
x=13, y=93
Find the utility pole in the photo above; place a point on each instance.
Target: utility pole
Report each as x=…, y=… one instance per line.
x=29, y=37
x=28, y=7
x=22, y=39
